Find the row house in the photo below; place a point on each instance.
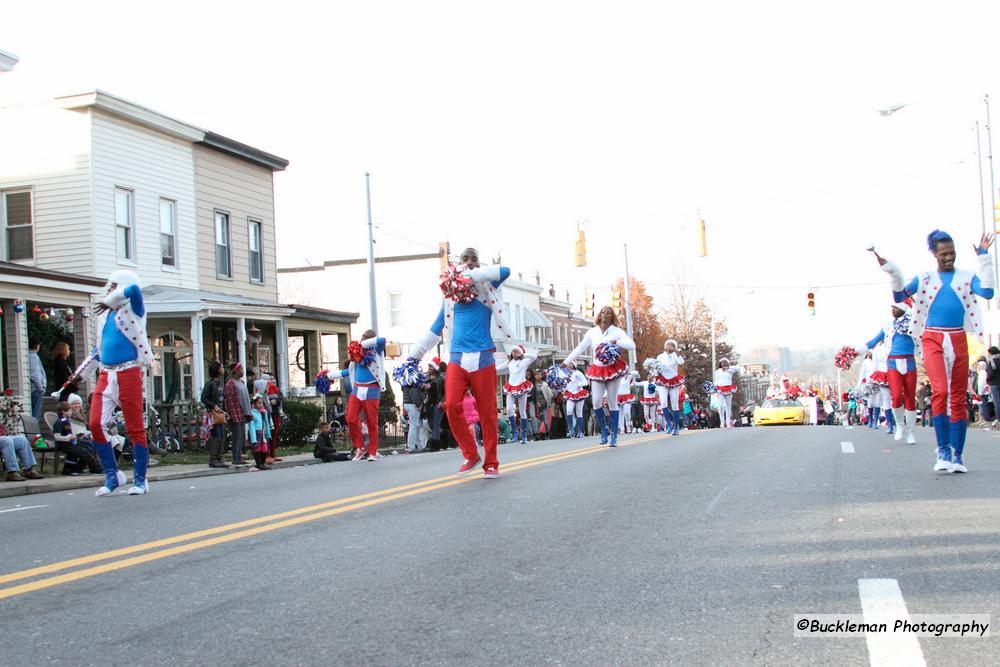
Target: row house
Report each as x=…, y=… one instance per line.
x=92, y=183
x=568, y=326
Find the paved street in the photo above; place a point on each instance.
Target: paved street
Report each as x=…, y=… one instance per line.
x=689, y=550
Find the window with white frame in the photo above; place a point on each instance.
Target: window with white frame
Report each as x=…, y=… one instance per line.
x=395, y=309
x=168, y=232
x=125, y=224
x=223, y=255
x=18, y=223
x=256, y=251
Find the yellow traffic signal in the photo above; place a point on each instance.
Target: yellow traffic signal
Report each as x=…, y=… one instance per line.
x=588, y=304
x=702, y=242
x=581, y=248
x=616, y=300
x=811, y=303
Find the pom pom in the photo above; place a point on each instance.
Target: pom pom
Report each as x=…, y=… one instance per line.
x=408, y=374
x=558, y=377
x=846, y=357
x=457, y=287
x=902, y=325
x=652, y=366
x=359, y=355
x=608, y=353
x=708, y=387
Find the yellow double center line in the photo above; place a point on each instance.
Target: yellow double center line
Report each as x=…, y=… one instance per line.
x=172, y=546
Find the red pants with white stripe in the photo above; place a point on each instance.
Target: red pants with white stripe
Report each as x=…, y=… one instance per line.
x=946, y=359
x=354, y=408
x=118, y=389
x=483, y=384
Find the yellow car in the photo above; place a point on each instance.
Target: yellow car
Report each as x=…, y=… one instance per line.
x=779, y=411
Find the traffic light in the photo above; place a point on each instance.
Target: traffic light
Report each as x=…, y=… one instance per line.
x=588, y=304
x=811, y=303
x=616, y=301
x=581, y=248
x=702, y=242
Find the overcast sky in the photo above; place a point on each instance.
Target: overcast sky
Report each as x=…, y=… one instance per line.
x=503, y=125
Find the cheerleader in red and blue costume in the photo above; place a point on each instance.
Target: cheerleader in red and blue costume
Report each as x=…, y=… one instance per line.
x=472, y=364
x=122, y=352
x=604, y=378
x=650, y=407
x=901, y=371
x=669, y=382
x=575, y=394
x=725, y=387
x=367, y=376
x=945, y=308
x=625, y=400
x=517, y=388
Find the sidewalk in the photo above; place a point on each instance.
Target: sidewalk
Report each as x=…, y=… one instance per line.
x=155, y=474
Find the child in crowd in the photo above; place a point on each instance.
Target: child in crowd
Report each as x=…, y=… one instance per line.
x=324, y=448
x=503, y=425
x=472, y=416
x=78, y=450
x=260, y=432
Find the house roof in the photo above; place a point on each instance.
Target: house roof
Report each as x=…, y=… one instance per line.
x=313, y=313
x=98, y=99
x=166, y=299
x=36, y=276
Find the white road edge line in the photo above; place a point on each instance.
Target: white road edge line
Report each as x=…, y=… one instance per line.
x=882, y=602
x=847, y=447
x=715, y=500
x=18, y=509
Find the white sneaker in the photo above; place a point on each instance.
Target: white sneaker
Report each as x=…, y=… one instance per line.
x=911, y=438
x=359, y=455
x=959, y=467
x=898, y=435
x=105, y=491
x=139, y=490
x=373, y=459
x=942, y=466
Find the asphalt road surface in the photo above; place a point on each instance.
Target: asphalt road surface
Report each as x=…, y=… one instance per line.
x=697, y=549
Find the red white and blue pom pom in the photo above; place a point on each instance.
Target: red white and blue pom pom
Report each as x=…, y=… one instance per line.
x=652, y=367
x=558, y=377
x=408, y=374
x=902, y=325
x=359, y=355
x=708, y=387
x=845, y=357
x=457, y=287
x=323, y=382
x=608, y=353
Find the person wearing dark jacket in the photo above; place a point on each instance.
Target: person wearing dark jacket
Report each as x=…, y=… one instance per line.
x=413, y=400
x=433, y=410
x=993, y=380
x=211, y=398
x=62, y=372
x=324, y=448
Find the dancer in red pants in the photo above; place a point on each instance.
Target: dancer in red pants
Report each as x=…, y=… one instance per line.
x=945, y=309
x=367, y=374
x=465, y=321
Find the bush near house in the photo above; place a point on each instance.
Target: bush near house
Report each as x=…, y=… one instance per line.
x=302, y=419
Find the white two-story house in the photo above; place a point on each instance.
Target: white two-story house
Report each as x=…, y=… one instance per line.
x=91, y=183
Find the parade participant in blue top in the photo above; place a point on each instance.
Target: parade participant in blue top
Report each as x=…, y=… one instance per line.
x=945, y=308
x=122, y=351
x=367, y=376
x=466, y=326
x=902, y=370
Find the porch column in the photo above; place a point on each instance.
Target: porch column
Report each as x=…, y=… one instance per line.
x=197, y=356
x=17, y=354
x=281, y=355
x=241, y=340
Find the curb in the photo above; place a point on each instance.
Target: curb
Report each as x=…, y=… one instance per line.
x=14, y=489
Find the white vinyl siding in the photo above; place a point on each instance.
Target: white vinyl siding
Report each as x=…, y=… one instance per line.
x=245, y=191
x=396, y=309
x=57, y=172
x=154, y=167
x=125, y=224
x=168, y=233
x=18, y=225
x=223, y=246
x=256, y=235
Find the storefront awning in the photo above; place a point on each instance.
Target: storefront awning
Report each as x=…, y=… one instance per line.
x=533, y=318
